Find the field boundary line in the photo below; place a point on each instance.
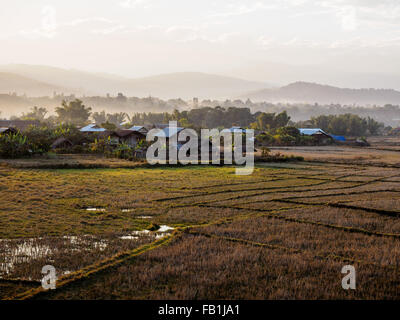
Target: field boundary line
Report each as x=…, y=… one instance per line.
x=263, y=193
x=233, y=191
x=316, y=196
x=381, y=212
x=97, y=267
x=20, y=281
x=358, y=184
x=273, y=214
x=293, y=250
x=339, y=194
x=234, y=184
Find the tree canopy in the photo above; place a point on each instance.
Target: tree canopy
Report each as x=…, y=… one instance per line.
x=74, y=112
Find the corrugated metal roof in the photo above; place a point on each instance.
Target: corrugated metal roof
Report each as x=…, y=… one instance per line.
x=311, y=131
x=237, y=129
x=138, y=129
x=92, y=128
x=168, y=132
x=127, y=132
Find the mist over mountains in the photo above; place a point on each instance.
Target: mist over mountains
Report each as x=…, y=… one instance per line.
x=306, y=92
x=11, y=82
x=185, y=85
x=39, y=81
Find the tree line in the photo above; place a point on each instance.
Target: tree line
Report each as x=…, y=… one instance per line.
x=76, y=113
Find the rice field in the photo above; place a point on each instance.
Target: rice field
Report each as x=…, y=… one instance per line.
x=200, y=232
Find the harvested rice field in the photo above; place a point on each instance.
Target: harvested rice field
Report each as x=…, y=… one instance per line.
x=199, y=232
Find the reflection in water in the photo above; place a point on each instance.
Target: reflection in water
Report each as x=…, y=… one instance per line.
x=17, y=251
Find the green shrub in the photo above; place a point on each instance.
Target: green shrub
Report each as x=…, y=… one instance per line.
x=101, y=146
x=15, y=145
x=40, y=138
x=264, y=139
x=288, y=131
x=123, y=151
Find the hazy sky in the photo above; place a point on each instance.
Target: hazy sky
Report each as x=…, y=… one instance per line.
x=145, y=37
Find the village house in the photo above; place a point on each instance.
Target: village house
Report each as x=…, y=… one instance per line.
x=129, y=137
x=8, y=130
x=21, y=125
x=140, y=129
x=62, y=143
x=320, y=135
x=92, y=128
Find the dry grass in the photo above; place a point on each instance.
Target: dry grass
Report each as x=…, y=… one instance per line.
x=380, y=156
x=282, y=233
x=197, y=267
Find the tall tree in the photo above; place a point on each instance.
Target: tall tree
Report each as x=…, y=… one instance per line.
x=117, y=118
x=36, y=113
x=74, y=112
x=99, y=117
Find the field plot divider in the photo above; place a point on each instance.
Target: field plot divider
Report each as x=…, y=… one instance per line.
x=97, y=267
x=293, y=250
x=344, y=206
x=273, y=214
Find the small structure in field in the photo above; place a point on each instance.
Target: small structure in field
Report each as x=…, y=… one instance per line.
x=320, y=135
x=62, y=143
x=129, y=137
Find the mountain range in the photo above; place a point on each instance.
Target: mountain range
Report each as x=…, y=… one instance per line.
x=34, y=80
x=306, y=92
x=185, y=85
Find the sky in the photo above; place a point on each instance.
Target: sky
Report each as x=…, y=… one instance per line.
x=265, y=40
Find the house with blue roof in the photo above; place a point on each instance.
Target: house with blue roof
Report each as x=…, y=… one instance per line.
x=92, y=128
x=320, y=135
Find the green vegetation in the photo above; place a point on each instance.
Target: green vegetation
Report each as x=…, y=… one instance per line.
x=345, y=124
x=74, y=112
x=14, y=145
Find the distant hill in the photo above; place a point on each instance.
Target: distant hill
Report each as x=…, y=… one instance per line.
x=192, y=84
x=306, y=92
x=10, y=82
x=185, y=85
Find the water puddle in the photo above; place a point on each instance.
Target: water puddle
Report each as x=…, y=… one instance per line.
x=14, y=253
x=19, y=251
x=96, y=209
x=157, y=234
x=165, y=228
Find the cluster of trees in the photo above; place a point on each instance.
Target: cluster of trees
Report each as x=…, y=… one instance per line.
x=275, y=128
x=116, y=119
x=298, y=111
x=270, y=121
x=38, y=140
x=284, y=136
x=75, y=113
x=205, y=117
x=344, y=124
x=218, y=117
